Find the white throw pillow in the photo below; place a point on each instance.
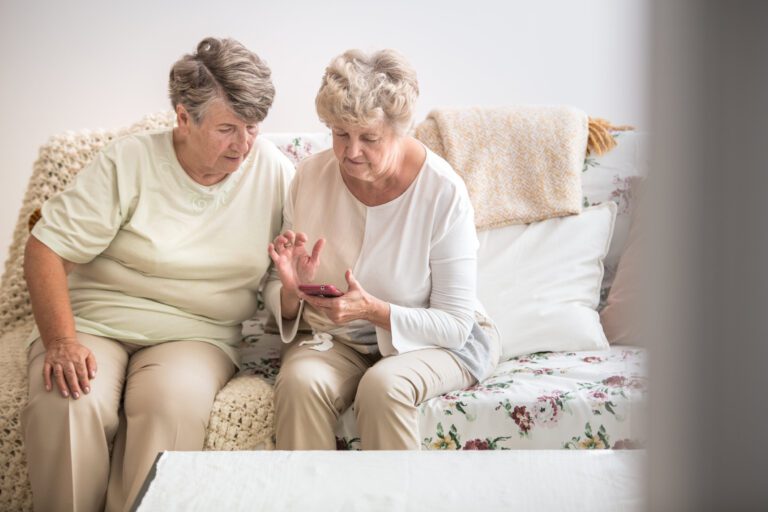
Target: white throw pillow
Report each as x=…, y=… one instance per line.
x=540, y=282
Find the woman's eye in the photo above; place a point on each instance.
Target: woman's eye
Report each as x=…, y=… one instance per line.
x=370, y=139
x=225, y=130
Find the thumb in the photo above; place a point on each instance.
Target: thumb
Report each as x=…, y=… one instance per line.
x=351, y=281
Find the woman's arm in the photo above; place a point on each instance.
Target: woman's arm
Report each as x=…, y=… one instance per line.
x=291, y=266
x=448, y=319
x=71, y=363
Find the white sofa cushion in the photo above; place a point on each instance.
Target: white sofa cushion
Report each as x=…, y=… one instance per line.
x=541, y=282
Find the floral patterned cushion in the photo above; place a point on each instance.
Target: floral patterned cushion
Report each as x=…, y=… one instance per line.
x=298, y=146
x=611, y=177
x=552, y=400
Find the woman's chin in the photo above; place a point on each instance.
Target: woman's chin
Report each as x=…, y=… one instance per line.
x=230, y=165
x=361, y=173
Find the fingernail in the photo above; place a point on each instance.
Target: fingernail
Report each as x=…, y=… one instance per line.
x=76, y=395
x=93, y=373
x=47, y=388
x=87, y=389
x=65, y=394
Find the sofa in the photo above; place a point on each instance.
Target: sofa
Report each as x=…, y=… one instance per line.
x=565, y=399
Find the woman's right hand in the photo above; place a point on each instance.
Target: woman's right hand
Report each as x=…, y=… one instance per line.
x=72, y=366
x=294, y=266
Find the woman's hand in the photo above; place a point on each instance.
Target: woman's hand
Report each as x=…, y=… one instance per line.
x=294, y=266
x=72, y=365
x=355, y=304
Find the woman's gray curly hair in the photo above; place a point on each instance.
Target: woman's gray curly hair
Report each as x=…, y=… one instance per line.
x=222, y=68
x=359, y=89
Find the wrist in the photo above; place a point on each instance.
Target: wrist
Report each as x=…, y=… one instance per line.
x=62, y=340
x=378, y=311
x=289, y=304
x=290, y=293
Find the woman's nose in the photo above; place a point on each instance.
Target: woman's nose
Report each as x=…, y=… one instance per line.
x=353, y=148
x=241, y=141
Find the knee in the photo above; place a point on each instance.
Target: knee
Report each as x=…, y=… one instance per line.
x=302, y=382
x=380, y=388
x=50, y=408
x=171, y=398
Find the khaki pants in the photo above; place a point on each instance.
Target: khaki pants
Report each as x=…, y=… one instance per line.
x=313, y=389
x=145, y=399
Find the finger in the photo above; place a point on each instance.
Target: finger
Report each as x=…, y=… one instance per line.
x=290, y=236
x=301, y=239
x=71, y=375
x=319, y=302
x=309, y=299
x=280, y=241
x=82, y=377
x=90, y=362
x=273, y=253
x=351, y=281
x=316, y=250
x=58, y=373
x=47, y=376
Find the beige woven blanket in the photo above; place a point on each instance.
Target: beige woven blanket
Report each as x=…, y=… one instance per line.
x=520, y=164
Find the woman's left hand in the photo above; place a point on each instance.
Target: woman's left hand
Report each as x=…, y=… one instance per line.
x=355, y=304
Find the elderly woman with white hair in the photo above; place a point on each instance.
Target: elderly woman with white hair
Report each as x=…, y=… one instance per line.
x=389, y=222
x=140, y=276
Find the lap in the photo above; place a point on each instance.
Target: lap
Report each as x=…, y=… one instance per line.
x=111, y=360
x=338, y=362
x=332, y=375
x=425, y=373
x=177, y=369
x=192, y=365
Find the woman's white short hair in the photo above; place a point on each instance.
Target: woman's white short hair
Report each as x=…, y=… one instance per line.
x=222, y=68
x=360, y=89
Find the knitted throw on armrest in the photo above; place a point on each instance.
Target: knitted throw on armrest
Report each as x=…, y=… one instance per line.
x=59, y=160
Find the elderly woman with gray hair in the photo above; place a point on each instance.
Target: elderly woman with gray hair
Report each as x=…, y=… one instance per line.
x=140, y=276
x=391, y=222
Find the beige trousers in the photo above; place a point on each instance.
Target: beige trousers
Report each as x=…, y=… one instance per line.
x=145, y=399
x=314, y=388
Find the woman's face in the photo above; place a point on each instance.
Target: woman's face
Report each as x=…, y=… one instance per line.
x=367, y=154
x=219, y=143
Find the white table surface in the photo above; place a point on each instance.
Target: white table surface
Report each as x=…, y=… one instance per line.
x=474, y=481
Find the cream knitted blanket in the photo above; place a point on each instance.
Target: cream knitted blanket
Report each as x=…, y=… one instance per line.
x=520, y=164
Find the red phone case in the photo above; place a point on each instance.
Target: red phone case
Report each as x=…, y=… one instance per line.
x=321, y=290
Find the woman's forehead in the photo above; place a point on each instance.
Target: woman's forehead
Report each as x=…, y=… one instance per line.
x=218, y=111
x=379, y=127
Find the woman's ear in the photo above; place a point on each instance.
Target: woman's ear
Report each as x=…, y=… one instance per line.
x=183, y=119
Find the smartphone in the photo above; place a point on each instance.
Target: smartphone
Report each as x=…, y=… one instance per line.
x=321, y=290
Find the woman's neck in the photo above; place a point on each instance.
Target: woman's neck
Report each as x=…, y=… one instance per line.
x=404, y=171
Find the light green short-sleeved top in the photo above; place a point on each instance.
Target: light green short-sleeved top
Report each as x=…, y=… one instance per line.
x=161, y=257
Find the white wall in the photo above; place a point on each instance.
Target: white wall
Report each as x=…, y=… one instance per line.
x=90, y=64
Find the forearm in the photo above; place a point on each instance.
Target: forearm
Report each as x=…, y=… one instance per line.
x=289, y=304
x=46, y=276
x=414, y=327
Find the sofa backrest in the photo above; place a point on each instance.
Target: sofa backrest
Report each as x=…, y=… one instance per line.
x=605, y=178
x=608, y=177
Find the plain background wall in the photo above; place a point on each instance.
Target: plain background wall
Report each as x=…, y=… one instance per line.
x=97, y=64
